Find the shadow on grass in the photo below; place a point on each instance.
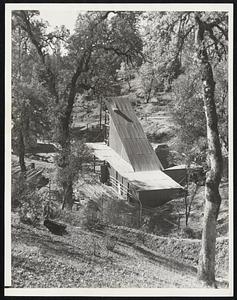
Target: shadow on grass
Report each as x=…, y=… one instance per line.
x=167, y=262
x=120, y=253
x=49, y=245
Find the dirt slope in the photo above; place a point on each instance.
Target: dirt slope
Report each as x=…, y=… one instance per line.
x=80, y=259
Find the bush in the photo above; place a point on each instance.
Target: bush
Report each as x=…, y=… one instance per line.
x=111, y=242
x=74, y=218
x=27, y=201
x=18, y=186
x=75, y=157
x=91, y=214
x=189, y=233
x=142, y=236
x=51, y=210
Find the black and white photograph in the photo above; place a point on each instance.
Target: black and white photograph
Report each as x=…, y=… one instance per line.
x=118, y=144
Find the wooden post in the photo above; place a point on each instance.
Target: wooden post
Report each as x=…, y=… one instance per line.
x=100, y=111
x=102, y=212
x=140, y=212
x=94, y=163
x=105, y=117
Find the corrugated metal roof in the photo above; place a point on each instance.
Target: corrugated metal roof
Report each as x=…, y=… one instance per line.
x=143, y=180
x=153, y=180
x=138, y=150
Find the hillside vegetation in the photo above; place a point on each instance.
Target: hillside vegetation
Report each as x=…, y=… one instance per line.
x=139, y=259
x=81, y=259
x=69, y=229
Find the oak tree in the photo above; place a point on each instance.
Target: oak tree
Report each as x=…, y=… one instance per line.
x=204, y=37
x=97, y=34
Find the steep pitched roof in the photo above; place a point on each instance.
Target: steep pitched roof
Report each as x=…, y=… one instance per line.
x=143, y=180
x=127, y=137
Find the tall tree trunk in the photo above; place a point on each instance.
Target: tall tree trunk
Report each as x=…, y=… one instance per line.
x=64, y=132
x=149, y=91
x=129, y=84
x=206, y=268
x=27, y=136
x=67, y=195
x=21, y=150
x=69, y=92
x=186, y=197
x=190, y=203
x=101, y=110
x=65, y=155
x=64, y=124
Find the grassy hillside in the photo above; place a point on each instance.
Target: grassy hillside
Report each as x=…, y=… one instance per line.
x=162, y=254
x=139, y=259
x=81, y=259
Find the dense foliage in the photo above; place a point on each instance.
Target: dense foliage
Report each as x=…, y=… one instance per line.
x=141, y=54
x=86, y=60
x=172, y=64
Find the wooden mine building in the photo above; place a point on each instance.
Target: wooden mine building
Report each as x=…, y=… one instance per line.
x=130, y=162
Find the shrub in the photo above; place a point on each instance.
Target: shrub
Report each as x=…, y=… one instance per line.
x=51, y=210
x=72, y=169
x=142, y=236
x=189, y=233
x=27, y=200
x=73, y=218
x=18, y=186
x=31, y=207
x=111, y=242
x=91, y=213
